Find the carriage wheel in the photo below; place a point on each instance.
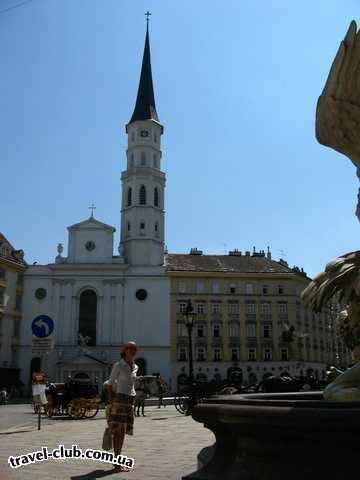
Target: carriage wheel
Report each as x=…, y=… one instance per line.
x=181, y=403
x=75, y=411
x=91, y=412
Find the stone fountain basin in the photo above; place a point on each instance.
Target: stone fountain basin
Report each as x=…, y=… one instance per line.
x=279, y=436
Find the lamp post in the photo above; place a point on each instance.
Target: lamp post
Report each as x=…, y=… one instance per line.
x=189, y=322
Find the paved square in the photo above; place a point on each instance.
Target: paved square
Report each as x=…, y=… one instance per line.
x=165, y=445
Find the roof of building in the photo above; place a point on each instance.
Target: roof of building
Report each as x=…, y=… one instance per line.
x=92, y=223
x=145, y=108
x=175, y=262
x=8, y=252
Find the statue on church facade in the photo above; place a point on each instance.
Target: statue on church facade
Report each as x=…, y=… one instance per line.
x=338, y=127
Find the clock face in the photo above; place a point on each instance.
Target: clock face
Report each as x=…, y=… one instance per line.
x=90, y=245
x=141, y=294
x=40, y=293
x=144, y=133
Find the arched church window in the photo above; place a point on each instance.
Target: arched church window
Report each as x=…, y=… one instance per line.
x=87, y=316
x=142, y=227
x=129, y=196
x=143, y=159
x=142, y=195
x=156, y=197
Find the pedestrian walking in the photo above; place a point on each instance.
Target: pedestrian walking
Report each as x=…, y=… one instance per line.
x=121, y=394
x=161, y=391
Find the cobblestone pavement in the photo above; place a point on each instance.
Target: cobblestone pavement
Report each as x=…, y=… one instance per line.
x=165, y=445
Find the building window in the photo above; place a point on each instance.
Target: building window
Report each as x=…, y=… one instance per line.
x=182, y=355
x=143, y=159
x=182, y=307
x=215, y=287
x=267, y=354
x=265, y=308
x=265, y=289
x=267, y=331
x=217, y=354
x=235, y=354
x=282, y=307
x=251, y=354
x=250, y=307
x=200, y=354
x=18, y=303
x=129, y=195
x=233, y=308
x=156, y=228
x=2, y=295
x=216, y=330
x=232, y=288
x=142, y=228
x=200, y=308
x=284, y=355
x=142, y=195
x=233, y=330
x=215, y=308
x=182, y=287
x=2, y=273
x=128, y=227
x=200, y=330
x=200, y=287
x=249, y=289
x=280, y=289
x=156, y=197
x=251, y=330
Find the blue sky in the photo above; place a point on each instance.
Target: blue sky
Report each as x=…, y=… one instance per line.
x=236, y=84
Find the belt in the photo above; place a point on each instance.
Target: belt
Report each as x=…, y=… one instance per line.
x=123, y=398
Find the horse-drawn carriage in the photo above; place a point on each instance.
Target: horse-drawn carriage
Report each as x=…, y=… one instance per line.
x=75, y=398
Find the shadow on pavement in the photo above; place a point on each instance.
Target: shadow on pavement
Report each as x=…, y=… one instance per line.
x=94, y=474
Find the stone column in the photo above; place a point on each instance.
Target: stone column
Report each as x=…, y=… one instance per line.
x=56, y=308
x=106, y=320
x=67, y=322
x=118, y=317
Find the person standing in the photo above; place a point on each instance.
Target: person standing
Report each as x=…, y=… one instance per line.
x=161, y=391
x=121, y=394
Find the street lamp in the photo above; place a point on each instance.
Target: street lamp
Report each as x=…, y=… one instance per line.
x=189, y=322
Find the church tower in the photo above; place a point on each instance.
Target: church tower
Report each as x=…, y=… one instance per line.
x=143, y=182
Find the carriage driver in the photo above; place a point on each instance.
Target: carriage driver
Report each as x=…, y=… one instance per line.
x=121, y=395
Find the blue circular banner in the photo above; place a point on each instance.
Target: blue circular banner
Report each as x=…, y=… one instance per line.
x=42, y=326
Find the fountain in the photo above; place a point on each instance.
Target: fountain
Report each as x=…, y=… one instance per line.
x=292, y=436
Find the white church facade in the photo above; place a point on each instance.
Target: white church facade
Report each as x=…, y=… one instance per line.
x=98, y=300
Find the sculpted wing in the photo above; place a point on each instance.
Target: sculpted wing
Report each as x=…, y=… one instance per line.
x=340, y=276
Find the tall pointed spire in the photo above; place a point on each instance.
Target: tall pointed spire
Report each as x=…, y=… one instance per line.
x=145, y=102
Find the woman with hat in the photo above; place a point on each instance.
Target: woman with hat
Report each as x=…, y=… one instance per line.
x=121, y=394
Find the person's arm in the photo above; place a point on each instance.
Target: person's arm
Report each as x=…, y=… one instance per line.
x=111, y=382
